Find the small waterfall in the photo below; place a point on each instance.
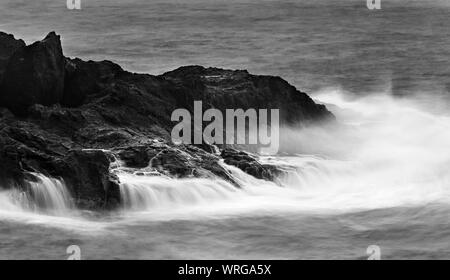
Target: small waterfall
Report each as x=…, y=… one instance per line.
x=148, y=192
x=48, y=195
x=153, y=192
x=243, y=179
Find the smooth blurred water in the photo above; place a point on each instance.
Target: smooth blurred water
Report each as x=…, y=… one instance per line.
x=380, y=179
x=401, y=233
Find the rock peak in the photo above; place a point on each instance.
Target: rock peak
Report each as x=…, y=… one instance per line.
x=52, y=36
x=34, y=74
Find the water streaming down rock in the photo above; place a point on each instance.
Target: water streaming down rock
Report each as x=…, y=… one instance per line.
x=361, y=178
x=146, y=190
x=45, y=194
x=154, y=192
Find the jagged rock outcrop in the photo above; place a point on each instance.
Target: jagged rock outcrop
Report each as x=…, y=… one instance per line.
x=34, y=74
x=70, y=118
x=8, y=45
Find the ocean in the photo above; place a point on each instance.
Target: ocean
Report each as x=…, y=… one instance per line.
x=380, y=179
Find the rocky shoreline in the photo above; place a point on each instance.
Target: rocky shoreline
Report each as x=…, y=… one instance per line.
x=71, y=119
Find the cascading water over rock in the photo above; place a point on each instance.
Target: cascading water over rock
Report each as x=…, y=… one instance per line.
x=44, y=194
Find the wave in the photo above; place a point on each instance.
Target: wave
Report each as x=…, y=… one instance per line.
x=386, y=152
x=153, y=192
x=48, y=195
x=47, y=202
x=41, y=194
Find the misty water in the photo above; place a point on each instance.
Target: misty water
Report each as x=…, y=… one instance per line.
x=379, y=178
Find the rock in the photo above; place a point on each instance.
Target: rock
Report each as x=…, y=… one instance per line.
x=62, y=114
x=225, y=89
x=87, y=173
x=11, y=171
x=175, y=162
x=34, y=74
x=212, y=149
x=135, y=156
x=250, y=164
x=8, y=45
x=181, y=161
x=6, y=114
x=86, y=78
x=17, y=158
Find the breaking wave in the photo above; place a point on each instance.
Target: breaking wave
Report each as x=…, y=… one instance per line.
x=385, y=152
x=40, y=195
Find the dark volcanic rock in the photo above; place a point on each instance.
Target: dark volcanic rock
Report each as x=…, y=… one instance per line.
x=61, y=114
x=86, y=78
x=34, y=75
x=87, y=173
x=180, y=161
x=249, y=164
x=25, y=147
x=10, y=166
x=8, y=45
x=135, y=156
x=232, y=89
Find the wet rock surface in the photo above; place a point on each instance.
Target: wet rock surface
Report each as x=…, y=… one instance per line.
x=69, y=118
x=34, y=74
x=250, y=164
